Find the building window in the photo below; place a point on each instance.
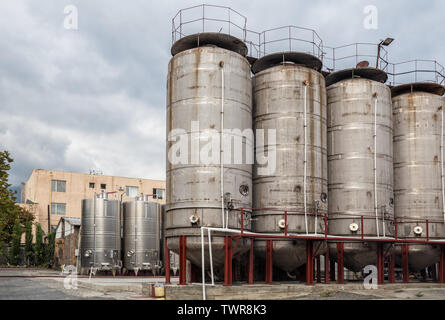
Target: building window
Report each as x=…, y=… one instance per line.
x=158, y=194
x=131, y=191
x=58, y=186
x=103, y=186
x=91, y=185
x=58, y=208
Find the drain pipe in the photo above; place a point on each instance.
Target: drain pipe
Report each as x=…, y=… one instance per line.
x=221, y=149
x=375, y=167
x=441, y=165
x=94, y=225
x=305, y=156
x=211, y=258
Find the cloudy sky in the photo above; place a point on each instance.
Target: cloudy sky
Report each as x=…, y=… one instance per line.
x=95, y=97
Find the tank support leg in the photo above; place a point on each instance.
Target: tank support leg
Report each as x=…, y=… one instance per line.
x=318, y=263
x=250, y=280
x=228, y=261
x=269, y=261
x=327, y=276
x=332, y=269
x=405, y=267
x=380, y=264
x=340, y=268
x=442, y=265
x=182, y=260
x=392, y=266
x=309, y=263
x=167, y=262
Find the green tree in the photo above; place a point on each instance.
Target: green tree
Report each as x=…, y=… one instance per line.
x=39, y=248
x=29, y=254
x=15, y=248
x=9, y=211
x=50, y=248
x=3, y=257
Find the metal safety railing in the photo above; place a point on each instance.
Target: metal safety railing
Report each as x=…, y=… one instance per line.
x=290, y=39
x=417, y=70
x=360, y=235
x=350, y=55
x=208, y=18
x=253, y=43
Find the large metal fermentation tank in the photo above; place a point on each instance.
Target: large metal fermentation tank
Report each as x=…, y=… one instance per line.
x=418, y=169
x=100, y=234
x=208, y=88
x=290, y=98
x=360, y=162
x=141, y=221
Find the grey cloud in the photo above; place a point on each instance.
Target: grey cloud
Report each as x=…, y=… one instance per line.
x=95, y=97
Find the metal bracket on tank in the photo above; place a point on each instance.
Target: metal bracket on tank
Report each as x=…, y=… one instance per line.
x=296, y=58
x=364, y=72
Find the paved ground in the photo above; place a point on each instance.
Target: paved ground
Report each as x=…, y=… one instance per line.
x=28, y=289
x=40, y=284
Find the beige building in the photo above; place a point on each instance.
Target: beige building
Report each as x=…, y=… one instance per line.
x=51, y=194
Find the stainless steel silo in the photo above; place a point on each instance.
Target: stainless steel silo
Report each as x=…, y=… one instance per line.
x=290, y=98
x=141, y=221
x=418, y=170
x=360, y=162
x=100, y=235
x=208, y=88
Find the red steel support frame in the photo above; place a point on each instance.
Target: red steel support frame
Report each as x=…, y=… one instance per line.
x=405, y=266
x=380, y=264
x=309, y=263
x=392, y=266
x=442, y=265
x=332, y=269
x=228, y=261
x=167, y=262
x=269, y=261
x=318, y=269
x=182, y=260
x=340, y=265
x=250, y=280
x=327, y=276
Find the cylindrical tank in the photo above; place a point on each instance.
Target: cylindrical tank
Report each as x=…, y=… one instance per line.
x=141, y=221
x=418, y=170
x=100, y=234
x=360, y=163
x=208, y=88
x=290, y=99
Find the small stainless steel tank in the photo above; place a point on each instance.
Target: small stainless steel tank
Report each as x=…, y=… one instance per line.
x=360, y=162
x=290, y=98
x=418, y=169
x=100, y=235
x=208, y=86
x=141, y=221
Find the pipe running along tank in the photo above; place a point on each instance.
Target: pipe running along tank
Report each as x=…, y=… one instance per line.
x=100, y=235
x=290, y=100
x=208, y=88
x=360, y=162
x=418, y=169
x=141, y=233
